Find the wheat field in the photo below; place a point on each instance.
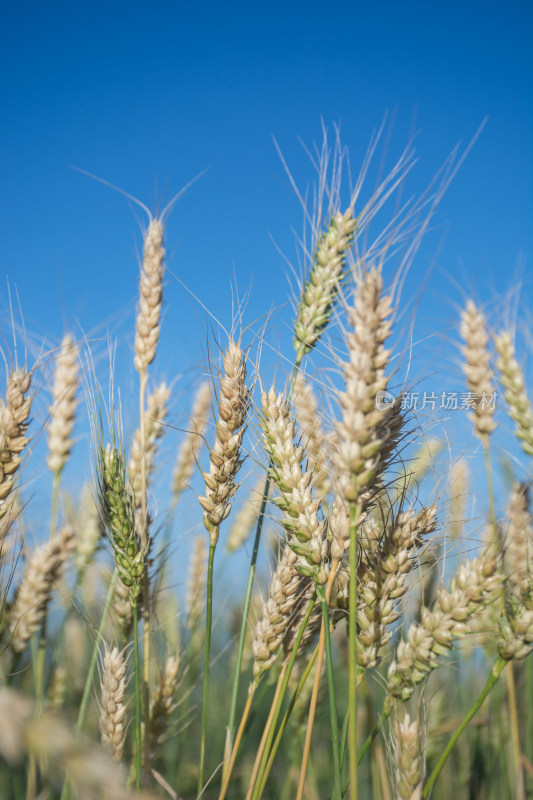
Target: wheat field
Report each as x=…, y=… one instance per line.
x=355, y=619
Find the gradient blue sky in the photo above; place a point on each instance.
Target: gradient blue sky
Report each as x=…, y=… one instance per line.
x=149, y=96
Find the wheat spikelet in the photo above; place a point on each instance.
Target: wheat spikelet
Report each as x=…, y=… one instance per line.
x=476, y=584
x=512, y=378
x=14, y=421
x=224, y=457
x=305, y=532
x=194, y=601
x=155, y=415
x=163, y=700
x=64, y=404
x=477, y=369
x=408, y=759
x=150, y=297
x=246, y=517
x=314, y=438
x=44, y=569
x=366, y=435
x=112, y=717
x=193, y=441
x=323, y=283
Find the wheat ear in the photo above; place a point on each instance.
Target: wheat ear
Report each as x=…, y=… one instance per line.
x=44, y=569
x=322, y=286
x=314, y=438
x=476, y=584
x=163, y=701
x=477, y=369
x=278, y=613
x=119, y=513
x=150, y=296
x=14, y=421
x=224, y=457
x=192, y=443
x=112, y=718
x=305, y=531
x=408, y=759
x=63, y=409
x=385, y=581
x=512, y=377
x=155, y=415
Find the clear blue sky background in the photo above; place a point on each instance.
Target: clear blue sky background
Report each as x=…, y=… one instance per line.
x=149, y=96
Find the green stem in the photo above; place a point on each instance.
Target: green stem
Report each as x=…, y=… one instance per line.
x=248, y=596
x=495, y=673
x=138, y=721
x=207, y=658
x=331, y=690
x=352, y=656
x=258, y=790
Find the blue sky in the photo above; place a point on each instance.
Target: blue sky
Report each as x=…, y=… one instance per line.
x=147, y=97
